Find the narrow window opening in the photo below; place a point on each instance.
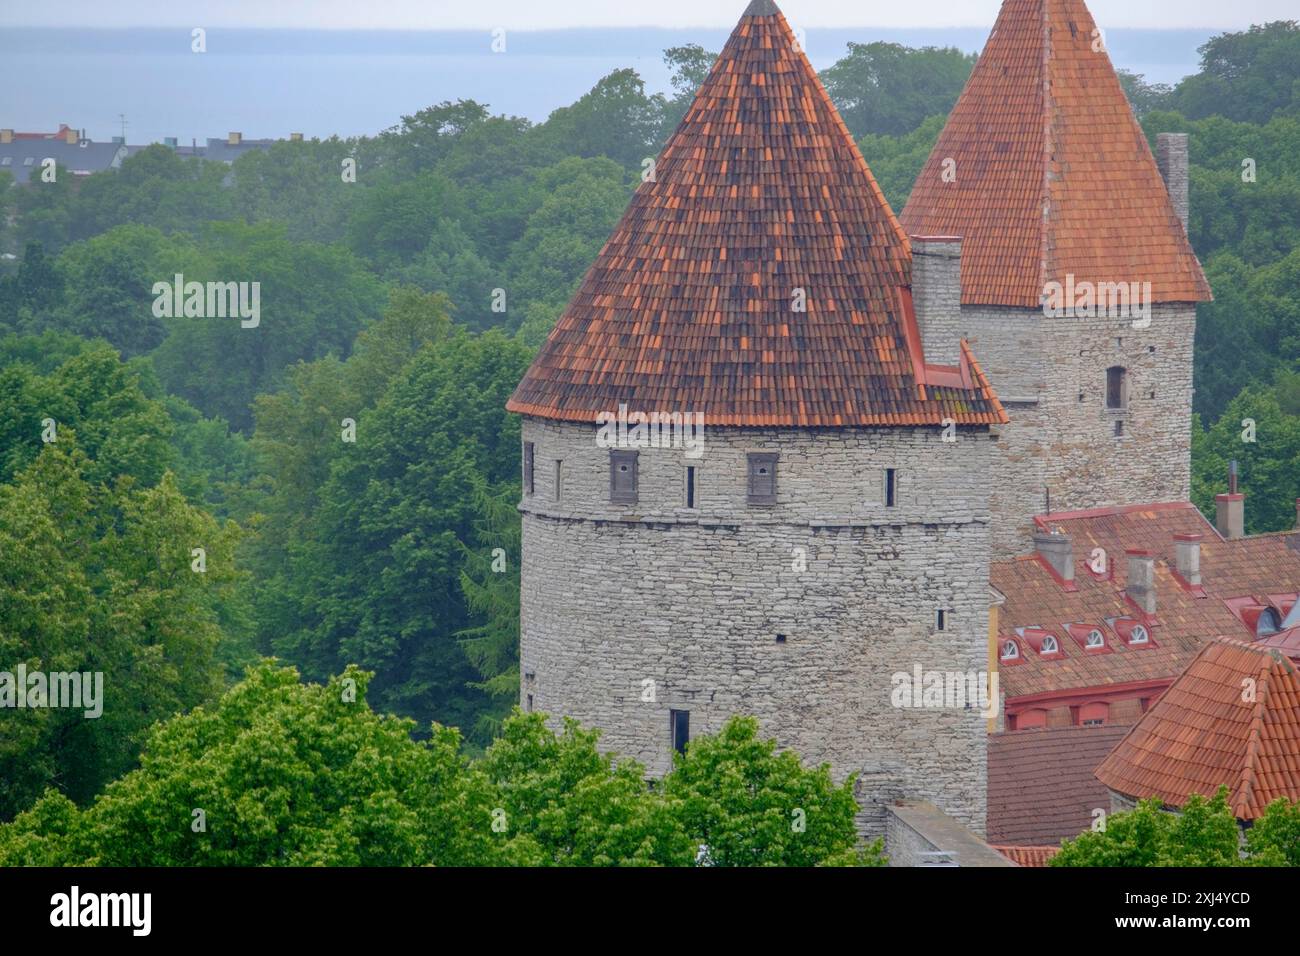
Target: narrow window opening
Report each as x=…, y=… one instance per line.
x=1119, y=429
x=891, y=487
x=941, y=620
x=681, y=727
x=528, y=467
x=762, y=478
x=622, y=477
x=1116, y=387
x=530, y=703
x=690, y=486
x=559, y=475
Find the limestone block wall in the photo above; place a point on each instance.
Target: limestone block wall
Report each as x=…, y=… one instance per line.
x=799, y=613
x=1051, y=375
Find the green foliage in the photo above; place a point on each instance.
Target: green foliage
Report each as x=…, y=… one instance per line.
x=1203, y=833
x=615, y=119
x=896, y=162
x=285, y=774
x=889, y=89
x=1269, y=466
x=752, y=806
x=1251, y=76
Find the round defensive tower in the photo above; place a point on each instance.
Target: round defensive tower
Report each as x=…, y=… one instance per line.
x=745, y=490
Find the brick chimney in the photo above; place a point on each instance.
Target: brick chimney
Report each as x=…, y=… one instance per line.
x=936, y=295
x=70, y=137
x=234, y=139
x=1058, y=551
x=1230, y=509
x=295, y=137
x=1188, y=557
x=1171, y=157
x=1140, y=585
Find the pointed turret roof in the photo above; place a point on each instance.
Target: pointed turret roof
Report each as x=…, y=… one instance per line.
x=759, y=200
x=1050, y=172
x=1232, y=718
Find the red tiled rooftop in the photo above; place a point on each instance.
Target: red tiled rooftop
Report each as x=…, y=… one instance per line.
x=1042, y=787
x=1053, y=174
x=1232, y=718
x=688, y=307
x=1035, y=856
x=1185, y=618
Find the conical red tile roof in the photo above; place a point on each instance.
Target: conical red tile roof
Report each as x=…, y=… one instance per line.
x=1051, y=173
x=759, y=193
x=1232, y=718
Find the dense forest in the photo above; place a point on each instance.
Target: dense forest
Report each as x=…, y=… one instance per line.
x=337, y=490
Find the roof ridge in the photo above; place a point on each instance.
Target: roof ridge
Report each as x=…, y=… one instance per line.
x=1244, y=792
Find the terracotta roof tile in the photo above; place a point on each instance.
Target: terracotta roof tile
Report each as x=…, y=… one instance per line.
x=1207, y=730
x=1185, y=618
x=761, y=191
x=1041, y=784
x=1053, y=174
x=1029, y=855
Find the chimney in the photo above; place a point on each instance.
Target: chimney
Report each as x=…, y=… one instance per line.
x=1140, y=585
x=1058, y=551
x=234, y=139
x=1188, y=557
x=1171, y=157
x=70, y=137
x=6, y=136
x=295, y=137
x=936, y=295
x=1230, y=509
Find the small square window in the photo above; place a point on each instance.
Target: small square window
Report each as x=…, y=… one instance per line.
x=762, y=478
x=528, y=467
x=623, y=477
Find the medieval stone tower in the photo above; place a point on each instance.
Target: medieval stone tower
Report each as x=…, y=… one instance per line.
x=1047, y=179
x=831, y=530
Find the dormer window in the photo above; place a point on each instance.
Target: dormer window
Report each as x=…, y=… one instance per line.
x=1139, y=635
x=1095, y=640
x=762, y=478
x=1010, y=651
x=1049, y=645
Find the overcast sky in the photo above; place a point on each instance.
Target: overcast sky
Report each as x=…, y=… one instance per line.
x=554, y=14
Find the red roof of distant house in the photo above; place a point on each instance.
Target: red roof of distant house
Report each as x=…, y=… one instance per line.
x=1260, y=569
x=1232, y=718
x=1042, y=787
x=760, y=193
x=1053, y=174
x=1029, y=855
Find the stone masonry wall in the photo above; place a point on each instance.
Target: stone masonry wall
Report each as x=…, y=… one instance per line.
x=1050, y=373
x=614, y=596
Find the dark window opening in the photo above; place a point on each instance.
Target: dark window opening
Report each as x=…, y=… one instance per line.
x=530, y=703
x=780, y=638
x=941, y=620
x=558, y=476
x=528, y=467
x=681, y=725
x=1119, y=429
x=1116, y=387
x=622, y=477
x=1093, y=723
x=891, y=488
x=762, y=479
x=690, y=486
